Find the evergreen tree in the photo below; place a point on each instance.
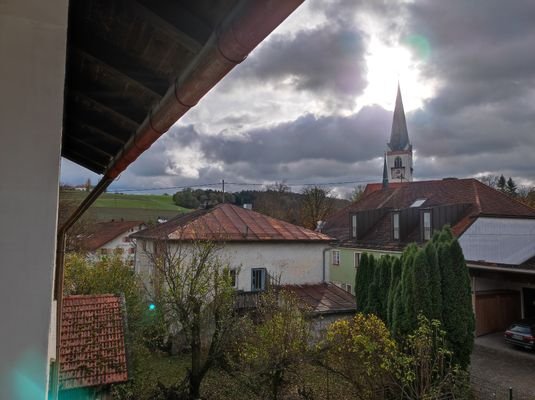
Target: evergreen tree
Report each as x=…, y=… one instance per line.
x=501, y=183
x=435, y=285
x=408, y=321
x=383, y=282
x=369, y=301
x=421, y=285
x=373, y=301
x=445, y=236
x=395, y=277
x=457, y=315
x=511, y=187
x=398, y=311
x=362, y=283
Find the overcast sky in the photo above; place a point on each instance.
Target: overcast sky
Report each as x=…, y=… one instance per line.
x=313, y=103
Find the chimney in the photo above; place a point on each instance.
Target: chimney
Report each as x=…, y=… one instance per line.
x=319, y=226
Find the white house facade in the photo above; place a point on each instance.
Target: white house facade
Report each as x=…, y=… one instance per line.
x=113, y=237
x=255, y=264
x=259, y=249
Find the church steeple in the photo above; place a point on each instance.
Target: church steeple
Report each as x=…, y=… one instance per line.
x=398, y=160
x=399, y=136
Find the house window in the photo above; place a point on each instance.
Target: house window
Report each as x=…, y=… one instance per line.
x=348, y=288
x=397, y=162
x=104, y=251
x=233, y=278
x=144, y=245
x=395, y=225
x=357, y=259
x=127, y=239
x=131, y=250
x=336, y=257
x=354, y=226
x=427, y=225
x=258, y=279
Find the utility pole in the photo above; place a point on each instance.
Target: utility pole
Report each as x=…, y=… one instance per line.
x=223, y=186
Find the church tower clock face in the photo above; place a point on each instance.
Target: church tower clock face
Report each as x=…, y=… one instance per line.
x=398, y=157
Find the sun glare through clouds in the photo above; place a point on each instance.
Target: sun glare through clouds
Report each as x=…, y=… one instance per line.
x=386, y=66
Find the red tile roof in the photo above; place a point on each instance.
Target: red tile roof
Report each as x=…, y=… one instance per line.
x=324, y=298
x=104, y=232
x=92, y=348
x=227, y=222
x=482, y=200
x=374, y=187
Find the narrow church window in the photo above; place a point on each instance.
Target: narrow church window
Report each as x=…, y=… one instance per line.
x=397, y=162
x=354, y=226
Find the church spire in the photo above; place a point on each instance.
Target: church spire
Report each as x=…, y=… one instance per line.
x=399, y=136
x=398, y=163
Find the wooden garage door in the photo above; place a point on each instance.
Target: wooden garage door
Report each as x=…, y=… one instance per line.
x=495, y=311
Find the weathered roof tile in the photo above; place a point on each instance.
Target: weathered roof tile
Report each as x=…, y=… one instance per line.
x=92, y=348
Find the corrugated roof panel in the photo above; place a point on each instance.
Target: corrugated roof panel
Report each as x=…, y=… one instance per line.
x=227, y=222
x=508, y=241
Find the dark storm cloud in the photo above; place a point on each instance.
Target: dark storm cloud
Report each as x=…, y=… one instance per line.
x=482, y=50
x=483, y=115
x=327, y=61
x=480, y=119
x=358, y=137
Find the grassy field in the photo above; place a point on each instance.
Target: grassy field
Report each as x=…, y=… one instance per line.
x=137, y=207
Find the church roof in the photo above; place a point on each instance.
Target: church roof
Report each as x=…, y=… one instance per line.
x=481, y=200
x=399, y=137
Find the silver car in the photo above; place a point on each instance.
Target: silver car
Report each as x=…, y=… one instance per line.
x=521, y=334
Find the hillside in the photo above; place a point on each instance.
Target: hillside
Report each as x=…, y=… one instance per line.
x=125, y=206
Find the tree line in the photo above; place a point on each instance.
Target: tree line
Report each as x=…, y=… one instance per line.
x=306, y=208
x=522, y=193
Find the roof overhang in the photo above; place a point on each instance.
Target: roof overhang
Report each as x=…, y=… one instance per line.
x=135, y=67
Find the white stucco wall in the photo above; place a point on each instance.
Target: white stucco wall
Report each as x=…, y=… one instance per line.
x=293, y=263
x=32, y=67
x=119, y=243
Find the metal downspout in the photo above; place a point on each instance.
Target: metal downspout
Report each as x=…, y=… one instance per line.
x=325, y=250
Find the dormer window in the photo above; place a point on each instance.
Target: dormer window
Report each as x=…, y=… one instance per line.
x=354, y=226
x=395, y=225
x=427, y=225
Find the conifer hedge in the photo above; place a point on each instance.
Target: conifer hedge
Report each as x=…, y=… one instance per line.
x=432, y=280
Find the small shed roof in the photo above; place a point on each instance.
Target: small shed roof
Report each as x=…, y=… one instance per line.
x=324, y=298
